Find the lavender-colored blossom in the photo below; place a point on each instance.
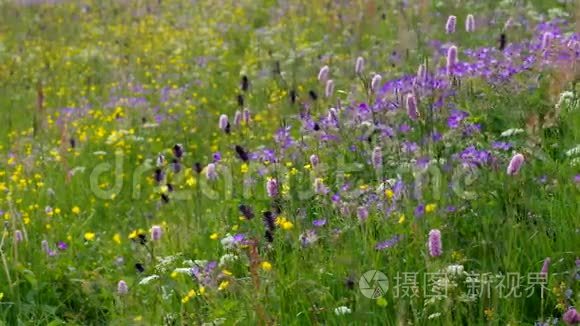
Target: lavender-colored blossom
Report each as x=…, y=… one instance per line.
x=314, y=160
x=224, y=123
x=319, y=223
x=362, y=213
x=377, y=157
x=359, y=65
x=156, y=232
x=329, y=89
x=272, y=187
x=545, y=267
x=470, y=23
x=122, y=288
x=44, y=246
x=18, y=237
x=411, y=103
x=450, y=25
x=323, y=74
x=388, y=243
x=451, y=60
x=435, y=246
x=546, y=40
x=308, y=238
x=571, y=316
x=62, y=246
x=515, y=164
x=237, y=118
x=375, y=82
x=422, y=73
x=500, y=145
x=210, y=171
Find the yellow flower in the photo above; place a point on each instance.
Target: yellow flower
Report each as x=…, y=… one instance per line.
x=226, y=272
x=223, y=285
x=429, y=208
x=57, y=210
x=117, y=238
x=287, y=225
x=214, y=236
x=266, y=266
x=389, y=193
x=201, y=290
x=191, y=293
x=244, y=168
x=90, y=236
x=401, y=219
x=76, y=210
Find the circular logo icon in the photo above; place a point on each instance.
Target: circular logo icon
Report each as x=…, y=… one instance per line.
x=373, y=284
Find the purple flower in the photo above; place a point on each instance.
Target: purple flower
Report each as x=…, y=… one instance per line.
x=62, y=246
x=411, y=104
x=435, y=247
x=419, y=210
x=388, y=243
x=500, y=145
x=377, y=158
x=45, y=247
x=375, y=82
x=577, y=178
x=307, y=238
x=515, y=164
x=156, y=232
x=362, y=213
x=224, y=123
x=547, y=40
x=237, y=118
x=359, y=65
x=450, y=25
x=319, y=223
x=272, y=187
x=451, y=59
x=217, y=156
x=571, y=316
x=314, y=160
x=323, y=74
x=122, y=288
x=246, y=116
x=18, y=237
x=470, y=23
x=210, y=171
x=329, y=89
x=545, y=267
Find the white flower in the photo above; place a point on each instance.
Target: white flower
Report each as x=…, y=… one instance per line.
x=227, y=258
x=342, y=310
x=511, y=132
x=435, y=315
x=455, y=269
x=573, y=151
x=228, y=242
x=182, y=271
x=148, y=279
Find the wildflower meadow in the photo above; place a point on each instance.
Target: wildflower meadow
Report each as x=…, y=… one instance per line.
x=289, y=162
